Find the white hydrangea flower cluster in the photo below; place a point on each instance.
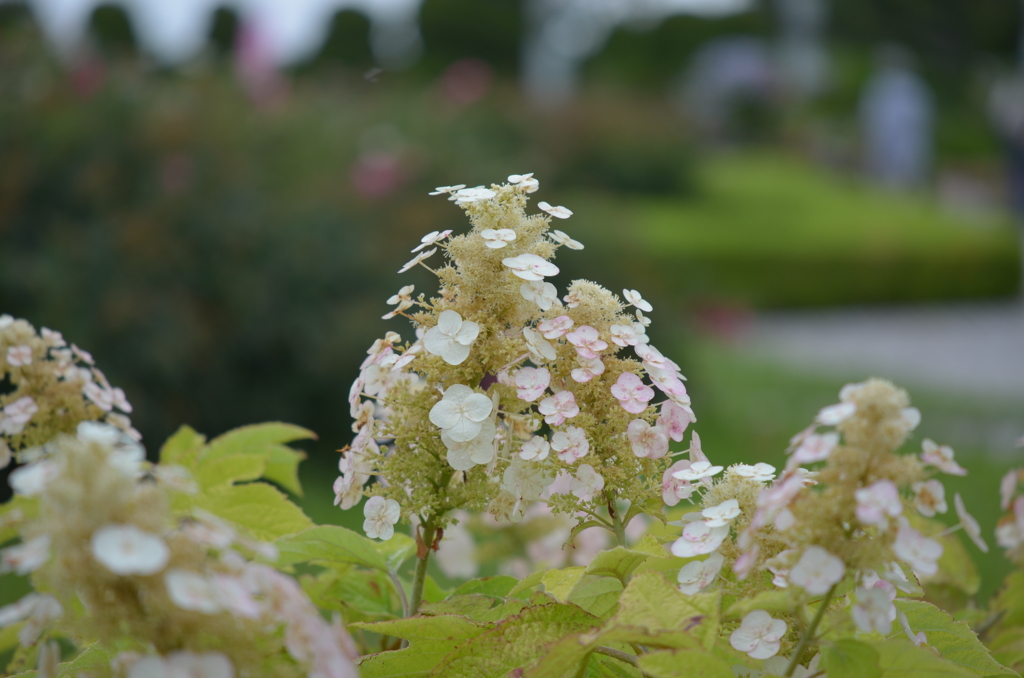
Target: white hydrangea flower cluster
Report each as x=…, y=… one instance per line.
x=510, y=383
x=106, y=556
x=56, y=386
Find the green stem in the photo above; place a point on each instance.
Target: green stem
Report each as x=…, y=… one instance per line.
x=809, y=632
x=618, y=654
x=619, y=527
x=421, y=570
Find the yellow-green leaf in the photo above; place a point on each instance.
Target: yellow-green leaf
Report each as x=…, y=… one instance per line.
x=183, y=447
x=655, y=609
x=597, y=595
x=396, y=550
x=254, y=439
x=850, y=659
x=495, y=587
x=331, y=544
x=228, y=470
x=283, y=468
x=259, y=508
x=902, y=659
x=684, y=664
x=954, y=640
x=559, y=583
x=618, y=563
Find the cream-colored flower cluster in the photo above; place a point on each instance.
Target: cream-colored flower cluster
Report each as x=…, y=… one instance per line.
x=56, y=386
x=510, y=383
x=177, y=598
x=851, y=519
x=1010, y=529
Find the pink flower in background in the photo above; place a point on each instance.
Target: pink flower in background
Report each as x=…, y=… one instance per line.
x=559, y=407
x=673, y=489
x=531, y=382
x=587, y=341
x=674, y=419
x=817, y=571
x=555, y=327
x=759, y=635
x=570, y=444
x=254, y=66
x=646, y=440
x=466, y=81
x=877, y=501
x=941, y=457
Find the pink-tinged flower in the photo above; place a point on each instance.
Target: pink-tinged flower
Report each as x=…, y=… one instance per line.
x=460, y=412
x=633, y=297
x=587, y=342
x=539, y=348
x=26, y=557
x=587, y=370
x=777, y=497
x=570, y=444
x=723, y=514
x=572, y=300
x=745, y=563
x=930, y=497
x=697, y=575
x=698, y=470
x=632, y=393
x=559, y=407
x=941, y=457
x=562, y=238
x=555, y=211
x=417, y=260
x=465, y=196
x=381, y=515
x=531, y=382
x=759, y=472
x=530, y=267
x=917, y=550
x=873, y=609
x=919, y=639
x=674, y=419
x=655, y=361
x=673, y=490
x=52, y=338
x=1008, y=487
x=127, y=550
x=555, y=327
x=407, y=357
x=544, y=294
x=647, y=441
x=817, y=571
x=970, y=525
x=623, y=335
x=586, y=483
x=536, y=449
x=877, y=501
x=495, y=239
x=32, y=479
x=698, y=539
x=758, y=635
x=784, y=520
x=18, y=414
x=1009, y=535
x=670, y=385
x=815, y=447
x=836, y=414
x=82, y=355
x=451, y=338
x=234, y=596
x=19, y=356
x=524, y=181
x=695, y=451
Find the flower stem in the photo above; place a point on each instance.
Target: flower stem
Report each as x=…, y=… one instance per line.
x=420, y=578
x=808, y=633
x=619, y=528
x=618, y=654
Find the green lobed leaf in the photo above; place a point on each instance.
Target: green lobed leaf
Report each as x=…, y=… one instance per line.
x=565, y=657
x=1008, y=647
x=684, y=664
x=559, y=583
x=228, y=470
x=516, y=642
x=476, y=606
x=850, y=659
x=370, y=593
x=618, y=562
x=600, y=666
x=331, y=544
x=283, y=467
x=653, y=608
x=261, y=509
x=954, y=640
x=769, y=601
x=1010, y=600
x=527, y=582
x=496, y=587
x=902, y=659
x=254, y=439
x=426, y=630
x=409, y=663
x=396, y=550
x=183, y=447
x=597, y=595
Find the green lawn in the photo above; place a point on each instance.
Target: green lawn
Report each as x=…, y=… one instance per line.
x=770, y=230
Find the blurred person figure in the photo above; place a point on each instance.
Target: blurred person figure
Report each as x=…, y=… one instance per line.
x=896, y=118
x=1006, y=110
